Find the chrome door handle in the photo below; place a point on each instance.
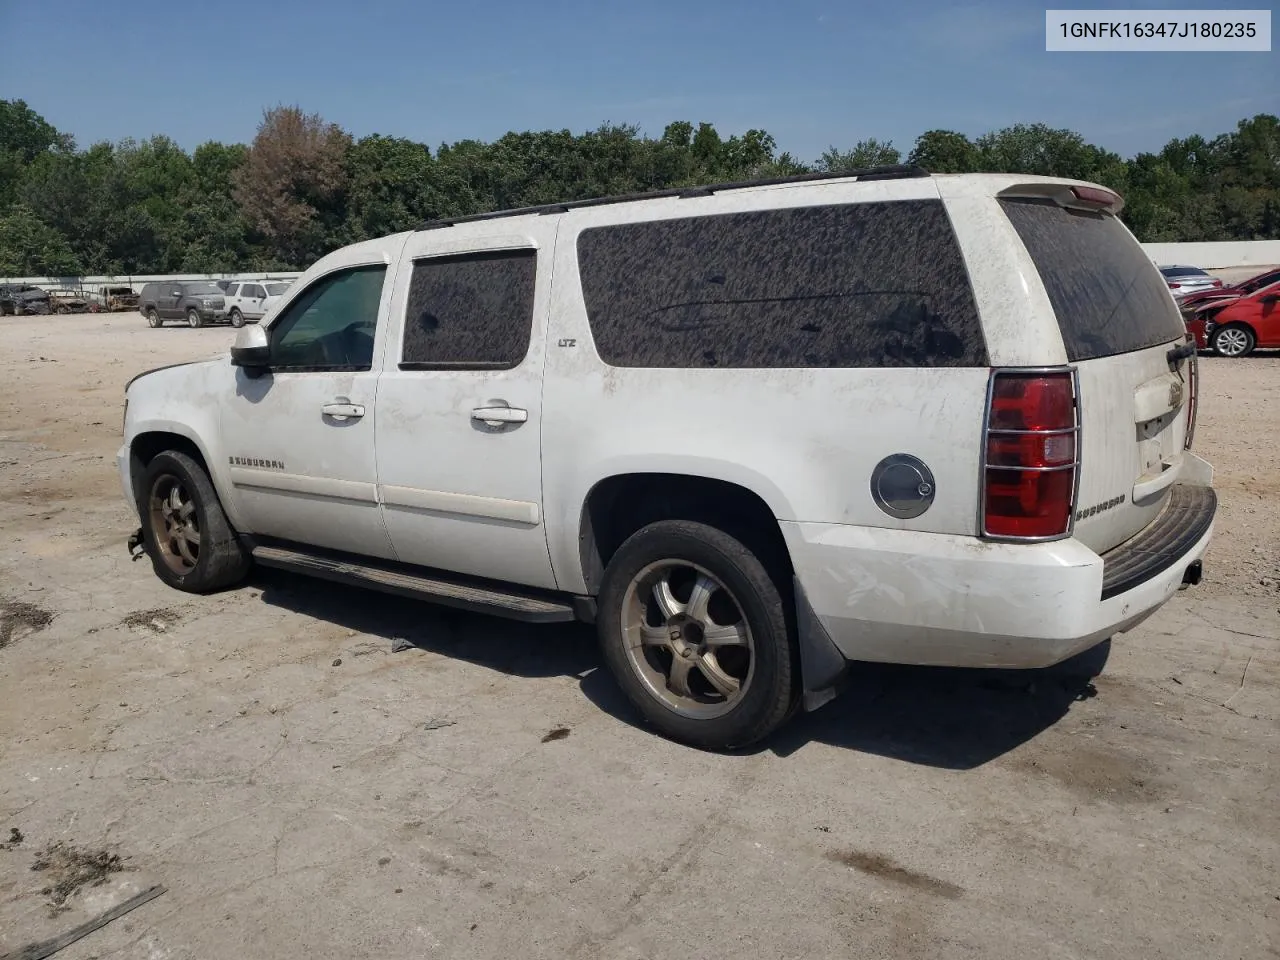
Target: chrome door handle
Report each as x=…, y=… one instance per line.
x=493, y=416
x=343, y=411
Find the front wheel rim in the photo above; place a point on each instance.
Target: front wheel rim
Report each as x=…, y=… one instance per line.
x=687, y=639
x=175, y=523
x=1232, y=343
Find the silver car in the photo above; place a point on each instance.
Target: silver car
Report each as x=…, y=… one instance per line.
x=1185, y=280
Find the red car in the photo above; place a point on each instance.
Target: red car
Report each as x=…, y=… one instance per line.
x=1241, y=289
x=1235, y=327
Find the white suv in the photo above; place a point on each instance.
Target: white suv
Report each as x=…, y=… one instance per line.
x=251, y=300
x=754, y=432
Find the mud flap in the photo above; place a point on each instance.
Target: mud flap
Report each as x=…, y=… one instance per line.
x=136, y=549
x=822, y=666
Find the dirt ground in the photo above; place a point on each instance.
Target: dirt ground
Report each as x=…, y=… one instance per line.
x=304, y=791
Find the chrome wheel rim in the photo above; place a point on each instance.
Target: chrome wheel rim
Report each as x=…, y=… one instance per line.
x=687, y=639
x=153, y=318
x=175, y=523
x=1231, y=343
x=193, y=319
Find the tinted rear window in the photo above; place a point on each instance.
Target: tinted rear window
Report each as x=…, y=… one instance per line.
x=1108, y=296
x=856, y=285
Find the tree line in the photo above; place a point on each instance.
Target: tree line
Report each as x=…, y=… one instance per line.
x=305, y=186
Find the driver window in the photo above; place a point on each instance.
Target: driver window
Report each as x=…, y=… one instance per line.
x=331, y=325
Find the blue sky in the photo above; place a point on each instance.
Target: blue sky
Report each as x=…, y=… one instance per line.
x=811, y=72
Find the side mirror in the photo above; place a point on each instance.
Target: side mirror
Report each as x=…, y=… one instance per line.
x=252, y=350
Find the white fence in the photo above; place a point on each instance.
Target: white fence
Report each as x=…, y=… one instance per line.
x=1208, y=256
x=1213, y=256
x=94, y=285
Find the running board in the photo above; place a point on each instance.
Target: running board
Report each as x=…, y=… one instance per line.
x=434, y=588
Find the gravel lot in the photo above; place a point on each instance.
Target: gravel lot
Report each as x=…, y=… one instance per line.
x=303, y=791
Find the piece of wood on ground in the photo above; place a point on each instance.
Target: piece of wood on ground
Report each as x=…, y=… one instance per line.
x=38, y=951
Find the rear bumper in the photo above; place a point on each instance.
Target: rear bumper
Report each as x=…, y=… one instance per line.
x=904, y=597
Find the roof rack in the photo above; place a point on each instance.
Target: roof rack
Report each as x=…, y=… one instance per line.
x=893, y=172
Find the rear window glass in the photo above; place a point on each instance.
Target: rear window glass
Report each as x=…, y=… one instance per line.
x=856, y=285
x=1108, y=296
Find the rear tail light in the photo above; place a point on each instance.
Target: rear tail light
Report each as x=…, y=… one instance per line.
x=1095, y=197
x=1216, y=283
x=1174, y=286
x=1031, y=455
x=1193, y=377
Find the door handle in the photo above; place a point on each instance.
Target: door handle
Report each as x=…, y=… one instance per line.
x=493, y=416
x=343, y=411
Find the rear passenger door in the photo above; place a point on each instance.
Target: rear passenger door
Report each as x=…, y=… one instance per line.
x=460, y=401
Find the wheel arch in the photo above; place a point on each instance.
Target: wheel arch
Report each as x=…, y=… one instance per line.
x=619, y=504
x=155, y=438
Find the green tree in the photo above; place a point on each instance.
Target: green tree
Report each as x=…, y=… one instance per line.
x=864, y=153
x=30, y=247
x=944, y=151
x=24, y=136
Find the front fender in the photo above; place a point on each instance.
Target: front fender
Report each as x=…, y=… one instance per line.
x=186, y=401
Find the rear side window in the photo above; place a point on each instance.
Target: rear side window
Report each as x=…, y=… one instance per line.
x=857, y=285
x=470, y=312
x=1108, y=296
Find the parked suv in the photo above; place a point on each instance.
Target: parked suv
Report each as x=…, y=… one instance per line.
x=251, y=300
x=198, y=302
x=754, y=432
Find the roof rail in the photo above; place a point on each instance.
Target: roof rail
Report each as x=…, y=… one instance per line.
x=893, y=172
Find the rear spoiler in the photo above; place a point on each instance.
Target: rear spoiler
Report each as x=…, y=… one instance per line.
x=1075, y=196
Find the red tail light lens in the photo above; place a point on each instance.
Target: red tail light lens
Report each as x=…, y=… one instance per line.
x=1192, y=384
x=1029, y=478
x=1094, y=196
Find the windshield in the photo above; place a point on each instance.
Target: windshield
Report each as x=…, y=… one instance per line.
x=1182, y=272
x=202, y=289
x=1107, y=296
x=276, y=289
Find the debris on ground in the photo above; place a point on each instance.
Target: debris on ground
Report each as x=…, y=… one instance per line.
x=157, y=621
x=70, y=868
x=15, y=838
x=17, y=617
x=559, y=733
x=337, y=662
x=436, y=723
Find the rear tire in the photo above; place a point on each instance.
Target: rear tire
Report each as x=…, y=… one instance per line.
x=718, y=674
x=194, y=319
x=187, y=535
x=153, y=318
x=237, y=318
x=1234, y=340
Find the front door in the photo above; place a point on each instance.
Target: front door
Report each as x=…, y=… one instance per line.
x=460, y=402
x=168, y=301
x=301, y=438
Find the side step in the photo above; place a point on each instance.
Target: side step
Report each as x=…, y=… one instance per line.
x=434, y=588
